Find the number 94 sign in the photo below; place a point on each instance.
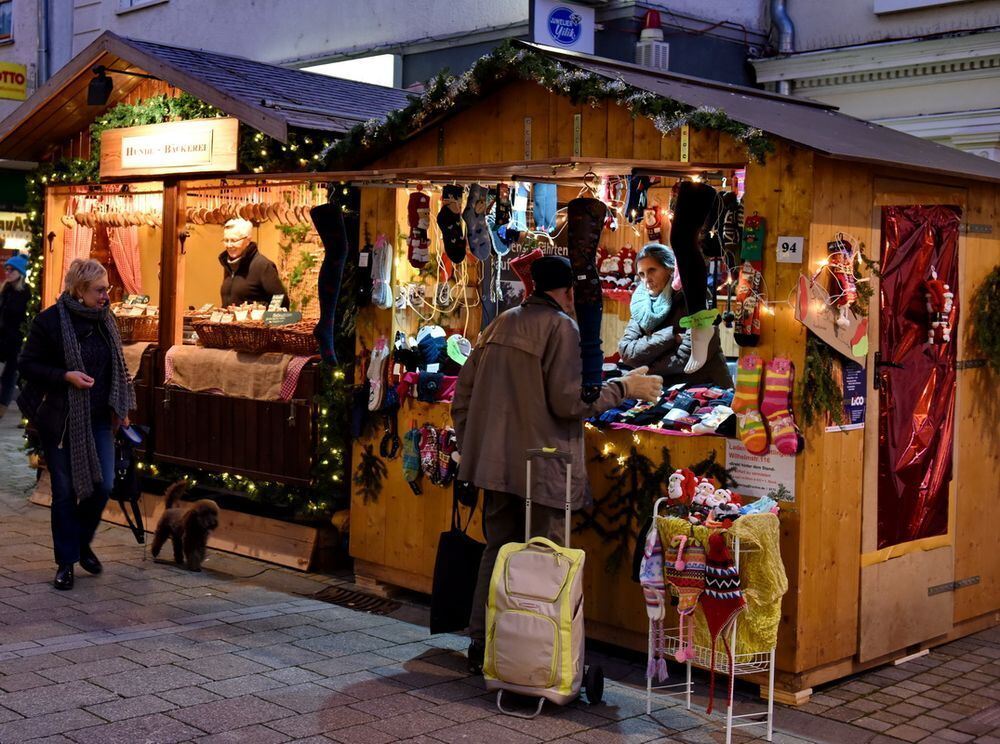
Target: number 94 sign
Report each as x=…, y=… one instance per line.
x=790, y=249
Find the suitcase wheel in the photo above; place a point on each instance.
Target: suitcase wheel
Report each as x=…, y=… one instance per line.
x=593, y=684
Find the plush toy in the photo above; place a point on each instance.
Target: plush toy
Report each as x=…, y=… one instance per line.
x=680, y=486
x=940, y=302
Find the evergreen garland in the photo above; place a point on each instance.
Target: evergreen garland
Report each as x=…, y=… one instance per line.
x=508, y=62
x=819, y=393
x=369, y=474
x=985, y=318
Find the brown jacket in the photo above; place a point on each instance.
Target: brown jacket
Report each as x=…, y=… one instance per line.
x=666, y=355
x=520, y=390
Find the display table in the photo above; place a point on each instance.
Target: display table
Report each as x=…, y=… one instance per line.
x=269, y=376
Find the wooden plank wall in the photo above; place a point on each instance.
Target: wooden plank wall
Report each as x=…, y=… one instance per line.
x=977, y=437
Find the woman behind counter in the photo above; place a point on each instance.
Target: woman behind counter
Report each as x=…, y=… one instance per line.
x=77, y=395
x=652, y=336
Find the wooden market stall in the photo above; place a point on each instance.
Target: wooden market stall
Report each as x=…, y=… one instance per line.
x=144, y=183
x=852, y=603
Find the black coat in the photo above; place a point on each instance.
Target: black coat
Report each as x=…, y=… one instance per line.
x=13, y=304
x=44, y=398
x=255, y=279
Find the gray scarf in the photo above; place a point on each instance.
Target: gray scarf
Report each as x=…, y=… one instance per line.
x=651, y=312
x=85, y=466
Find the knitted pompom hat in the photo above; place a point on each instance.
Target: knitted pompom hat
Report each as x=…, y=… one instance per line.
x=721, y=601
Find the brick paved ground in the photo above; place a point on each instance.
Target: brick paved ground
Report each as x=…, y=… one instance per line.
x=242, y=653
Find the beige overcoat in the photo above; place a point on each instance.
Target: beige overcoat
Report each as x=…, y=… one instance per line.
x=520, y=390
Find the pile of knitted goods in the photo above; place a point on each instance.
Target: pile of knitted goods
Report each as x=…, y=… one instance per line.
x=683, y=409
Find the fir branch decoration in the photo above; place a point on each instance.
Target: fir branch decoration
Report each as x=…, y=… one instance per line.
x=710, y=467
x=863, y=284
x=508, y=62
x=819, y=393
x=368, y=477
x=985, y=318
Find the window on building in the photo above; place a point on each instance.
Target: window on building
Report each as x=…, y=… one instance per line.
x=127, y=5
x=6, y=23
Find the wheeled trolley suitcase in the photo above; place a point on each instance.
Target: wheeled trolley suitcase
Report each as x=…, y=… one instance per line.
x=534, y=615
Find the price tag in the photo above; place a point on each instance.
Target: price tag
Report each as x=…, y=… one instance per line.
x=363, y=259
x=790, y=249
x=276, y=301
x=281, y=317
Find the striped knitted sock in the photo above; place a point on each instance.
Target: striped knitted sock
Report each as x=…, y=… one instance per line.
x=777, y=406
x=749, y=422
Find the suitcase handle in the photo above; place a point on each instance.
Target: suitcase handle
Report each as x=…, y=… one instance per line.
x=553, y=454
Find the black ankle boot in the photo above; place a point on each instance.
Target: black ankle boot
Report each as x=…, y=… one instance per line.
x=89, y=561
x=64, y=577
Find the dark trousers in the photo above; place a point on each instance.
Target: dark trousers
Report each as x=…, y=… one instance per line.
x=74, y=523
x=503, y=522
x=8, y=381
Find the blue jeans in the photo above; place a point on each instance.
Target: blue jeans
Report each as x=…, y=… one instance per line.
x=75, y=522
x=588, y=317
x=8, y=381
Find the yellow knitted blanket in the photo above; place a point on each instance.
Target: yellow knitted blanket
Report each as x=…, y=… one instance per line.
x=762, y=579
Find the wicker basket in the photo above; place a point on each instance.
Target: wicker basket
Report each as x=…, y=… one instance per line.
x=138, y=327
x=255, y=337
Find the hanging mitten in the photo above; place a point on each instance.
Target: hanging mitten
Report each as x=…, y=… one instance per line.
x=476, y=229
x=411, y=459
x=329, y=222
x=776, y=406
x=635, y=201
x=447, y=456
x=418, y=212
x=449, y=221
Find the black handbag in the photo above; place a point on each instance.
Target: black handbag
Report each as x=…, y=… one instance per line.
x=456, y=570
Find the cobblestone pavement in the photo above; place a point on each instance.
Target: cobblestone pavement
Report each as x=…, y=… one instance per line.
x=148, y=652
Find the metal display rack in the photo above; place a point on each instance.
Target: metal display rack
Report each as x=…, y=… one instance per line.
x=667, y=641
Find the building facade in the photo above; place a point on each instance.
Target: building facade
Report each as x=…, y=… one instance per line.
x=927, y=67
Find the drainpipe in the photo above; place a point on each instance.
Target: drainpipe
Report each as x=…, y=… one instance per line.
x=786, y=37
x=43, y=42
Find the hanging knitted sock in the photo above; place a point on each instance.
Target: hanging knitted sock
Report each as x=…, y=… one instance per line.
x=329, y=222
x=476, y=230
x=522, y=267
x=363, y=279
x=411, y=459
x=751, y=282
x=750, y=424
x=418, y=216
x=635, y=202
x=377, y=381
x=776, y=405
x=447, y=448
x=503, y=206
x=429, y=452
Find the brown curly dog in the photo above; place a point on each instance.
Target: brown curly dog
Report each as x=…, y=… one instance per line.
x=188, y=529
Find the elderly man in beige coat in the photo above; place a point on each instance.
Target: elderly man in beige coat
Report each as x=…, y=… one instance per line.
x=520, y=390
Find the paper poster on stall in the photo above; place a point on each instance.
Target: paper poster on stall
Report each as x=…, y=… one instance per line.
x=772, y=474
x=511, y=288
x=854, y=383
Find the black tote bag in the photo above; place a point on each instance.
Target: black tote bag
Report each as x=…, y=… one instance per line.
x=456, y=570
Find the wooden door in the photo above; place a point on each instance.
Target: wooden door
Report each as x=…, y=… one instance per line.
x=908, y=564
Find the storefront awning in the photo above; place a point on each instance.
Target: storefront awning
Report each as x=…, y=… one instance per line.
x=266, y=97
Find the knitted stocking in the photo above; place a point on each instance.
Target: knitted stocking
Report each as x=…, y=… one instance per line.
x=449, y=221
x=329, y=222
x=522, y=267
x=777, y=406
x=748, y=290
x=476, y=229
x=750, y=424
x=586, y=221
x=418, y=216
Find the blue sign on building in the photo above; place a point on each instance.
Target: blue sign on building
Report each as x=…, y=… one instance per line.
x=565, y=26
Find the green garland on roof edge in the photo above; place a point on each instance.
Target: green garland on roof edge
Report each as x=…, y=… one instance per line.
x=511, y=62
x=257, y=153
